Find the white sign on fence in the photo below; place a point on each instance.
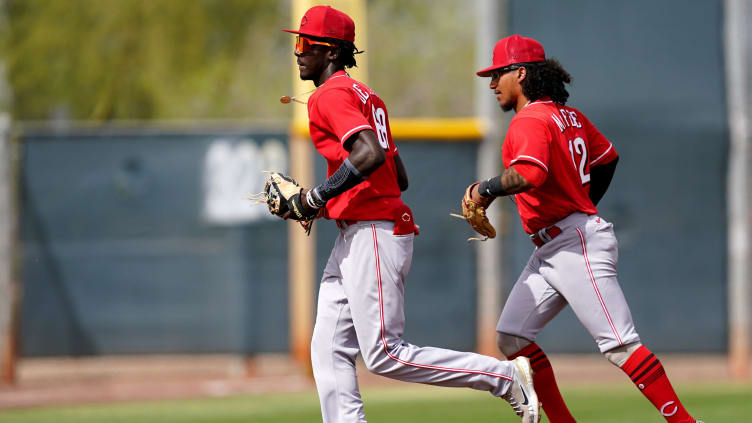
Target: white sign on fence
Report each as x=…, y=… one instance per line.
x=233, y=170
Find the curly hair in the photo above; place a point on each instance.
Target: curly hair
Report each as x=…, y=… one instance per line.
x=546, y=79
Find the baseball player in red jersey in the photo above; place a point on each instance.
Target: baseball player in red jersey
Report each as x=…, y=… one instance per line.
x=361, y=296
x=557, y=166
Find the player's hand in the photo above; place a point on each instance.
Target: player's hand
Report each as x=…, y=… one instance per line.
x=476, y=197
x=307, y=207
x=298, y=208
x=286, y=198
x=308, y=215
x=474, y=212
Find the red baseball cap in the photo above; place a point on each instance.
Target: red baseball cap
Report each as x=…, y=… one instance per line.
x=326, y=22
x=514, y=49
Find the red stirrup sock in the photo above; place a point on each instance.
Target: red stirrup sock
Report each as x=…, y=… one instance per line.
x=544, y=383
x=647, y=373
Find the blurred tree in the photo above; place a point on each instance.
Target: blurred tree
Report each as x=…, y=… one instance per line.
x=190, y=59
x=146, y=59
x=421, y=56
x=5, y=91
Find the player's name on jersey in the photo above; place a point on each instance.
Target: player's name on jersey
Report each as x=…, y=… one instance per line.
x=568, y=119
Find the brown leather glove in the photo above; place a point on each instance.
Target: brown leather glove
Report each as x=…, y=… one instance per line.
x=474, y=212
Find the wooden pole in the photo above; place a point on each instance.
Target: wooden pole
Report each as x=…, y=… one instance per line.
x=737, y=32
x=490, y=277
x=9, y=293
x=302, y=259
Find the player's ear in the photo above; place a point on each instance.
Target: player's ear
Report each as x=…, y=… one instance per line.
x=333, y=53
x=521, y=74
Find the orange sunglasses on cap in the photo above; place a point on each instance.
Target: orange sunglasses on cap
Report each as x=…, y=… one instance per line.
x=303, y=44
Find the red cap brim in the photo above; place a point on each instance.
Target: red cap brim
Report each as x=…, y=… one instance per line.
x=302, y=33
x=487, y=71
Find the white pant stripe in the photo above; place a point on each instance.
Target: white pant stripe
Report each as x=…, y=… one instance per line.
x=383, y=329
x=595, y=287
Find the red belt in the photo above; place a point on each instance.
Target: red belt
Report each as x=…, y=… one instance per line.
x=545, y=235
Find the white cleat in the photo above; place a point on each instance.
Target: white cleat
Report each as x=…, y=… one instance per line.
x=521, y=395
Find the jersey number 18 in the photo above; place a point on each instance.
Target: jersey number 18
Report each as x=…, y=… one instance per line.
x=379, y=119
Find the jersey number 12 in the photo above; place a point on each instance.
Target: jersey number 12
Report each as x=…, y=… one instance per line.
x=578, y=146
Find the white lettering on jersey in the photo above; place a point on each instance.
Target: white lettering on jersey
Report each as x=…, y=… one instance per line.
x=363, y=96
x=559, y=123
x=573, y=117
x=568, y=119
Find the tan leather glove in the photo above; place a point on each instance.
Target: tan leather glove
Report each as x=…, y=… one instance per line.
x=474, y=212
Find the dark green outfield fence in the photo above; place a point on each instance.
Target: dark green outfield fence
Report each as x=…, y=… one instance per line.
x=120, y=255
x=140, y=241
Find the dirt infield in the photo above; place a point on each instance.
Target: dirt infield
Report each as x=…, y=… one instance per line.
x=52, y=381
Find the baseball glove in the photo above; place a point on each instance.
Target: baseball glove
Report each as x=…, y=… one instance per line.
x=278, y=190
x=283, y=196
x=474, y=212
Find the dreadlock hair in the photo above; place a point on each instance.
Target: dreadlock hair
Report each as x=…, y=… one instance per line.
x=347, y=52
x=546, y=79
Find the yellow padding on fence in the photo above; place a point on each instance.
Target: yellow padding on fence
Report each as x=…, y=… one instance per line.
x=424, y=129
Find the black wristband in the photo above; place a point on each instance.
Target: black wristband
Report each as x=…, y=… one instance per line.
x=346, y=177
x=491, y=188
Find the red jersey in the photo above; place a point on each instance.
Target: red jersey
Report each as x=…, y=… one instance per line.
x=339, y=108
x=563, y=142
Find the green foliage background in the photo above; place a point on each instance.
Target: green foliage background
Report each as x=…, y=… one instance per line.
x=144, y=59
x=422, y=56
x=206, y=59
